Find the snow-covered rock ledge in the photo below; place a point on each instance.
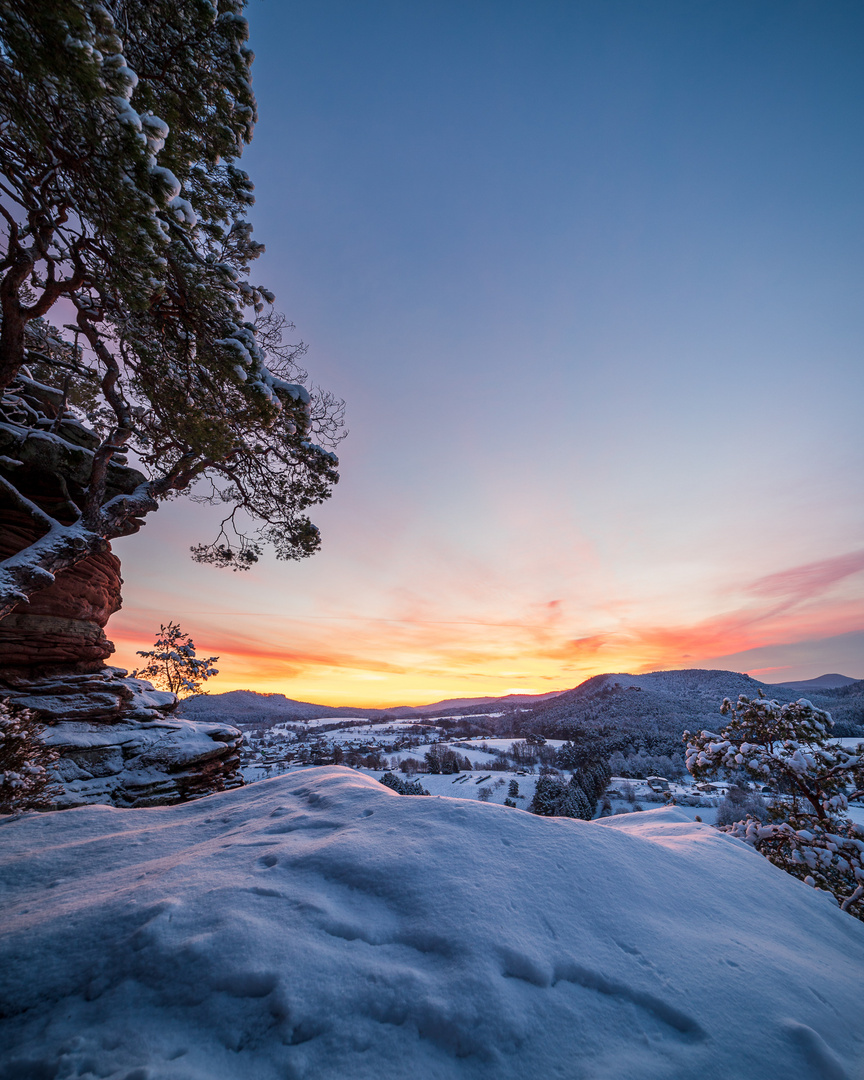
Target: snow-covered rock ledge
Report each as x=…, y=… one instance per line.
x=319, y=926
x=120, y=743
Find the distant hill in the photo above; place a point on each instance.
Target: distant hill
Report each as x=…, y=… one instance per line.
x=822, y=682
x=247, y=707
x=651, y=711
x=244, y=707
x=648, y=711
x=449, y=704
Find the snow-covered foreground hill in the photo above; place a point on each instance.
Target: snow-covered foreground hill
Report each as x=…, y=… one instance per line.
x=318, y=925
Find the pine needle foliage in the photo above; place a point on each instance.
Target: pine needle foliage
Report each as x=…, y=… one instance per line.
x=173, y=665
x=788, y=749
x=26, y=781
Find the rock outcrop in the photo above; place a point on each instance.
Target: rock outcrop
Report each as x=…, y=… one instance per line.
x=62, y=628
x=48, y=456
x=118, y=738
x=119, y=742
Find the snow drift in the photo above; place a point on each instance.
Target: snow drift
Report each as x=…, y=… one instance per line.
x=320, y=926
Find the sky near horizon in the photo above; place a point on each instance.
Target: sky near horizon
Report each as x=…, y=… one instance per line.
x=589, y=278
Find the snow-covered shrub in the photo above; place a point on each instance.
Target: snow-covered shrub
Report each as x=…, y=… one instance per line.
x=25, y=762
x=484, y=794
x=738, y=804
x=808, y=832
x=173, y=664
x=402, y=787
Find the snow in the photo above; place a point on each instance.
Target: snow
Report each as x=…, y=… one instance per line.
x=473, y=754
x=360, y=726
x=855, y=812
x=467, y=785
x=505, y=744
x=320, y=926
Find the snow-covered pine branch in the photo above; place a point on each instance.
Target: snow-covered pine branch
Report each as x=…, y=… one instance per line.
x=787, y=746
x=789, y=750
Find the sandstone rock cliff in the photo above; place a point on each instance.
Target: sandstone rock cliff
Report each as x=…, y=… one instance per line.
x=118, y=738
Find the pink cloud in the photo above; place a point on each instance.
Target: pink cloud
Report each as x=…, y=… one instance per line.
x=811, y=579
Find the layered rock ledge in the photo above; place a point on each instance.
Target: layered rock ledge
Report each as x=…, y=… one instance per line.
x=119, y=742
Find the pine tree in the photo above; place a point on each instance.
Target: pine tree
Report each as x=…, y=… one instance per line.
x=402, y=787
x=123, y=121
x=173, y=665
x=809, y=833
x=432, y=758
x=26, y=782
x=593, y=779
x=547, y=795
x=575, y=803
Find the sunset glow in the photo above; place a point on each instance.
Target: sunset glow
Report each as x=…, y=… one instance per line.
x=592, y=296
x=423, y=651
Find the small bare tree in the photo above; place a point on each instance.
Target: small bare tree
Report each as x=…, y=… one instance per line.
x=173, y=665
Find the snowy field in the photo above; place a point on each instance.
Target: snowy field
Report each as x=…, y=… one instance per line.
x=319, y=926
x=467, y=785
x=360, y=726
x=474, y=754
x=506, y=743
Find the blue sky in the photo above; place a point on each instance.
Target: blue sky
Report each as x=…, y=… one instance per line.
x=589, y=277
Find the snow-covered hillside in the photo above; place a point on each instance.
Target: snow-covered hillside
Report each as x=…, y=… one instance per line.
x=655, y=709
x=319, y=926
